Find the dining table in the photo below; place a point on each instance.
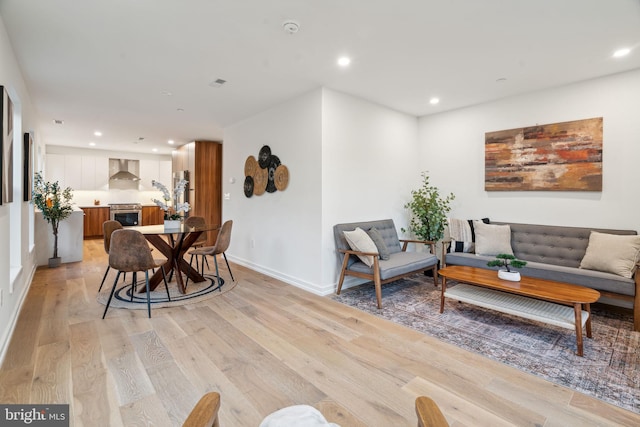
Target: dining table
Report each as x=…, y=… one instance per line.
x=173, y=242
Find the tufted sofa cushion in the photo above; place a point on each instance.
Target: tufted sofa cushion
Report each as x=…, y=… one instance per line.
x=550, y=244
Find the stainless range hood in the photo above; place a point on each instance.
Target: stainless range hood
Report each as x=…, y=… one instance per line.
x=123, y=173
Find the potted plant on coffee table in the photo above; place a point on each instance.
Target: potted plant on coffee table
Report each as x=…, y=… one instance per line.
x=507, y=262
x=55, y=204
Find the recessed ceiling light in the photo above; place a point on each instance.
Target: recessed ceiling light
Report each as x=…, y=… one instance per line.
x=170, y=142
x=344, y=61
x=93, y=144
x=621, y=52
x=155, y=150
x=97, y=133
x=434, y=101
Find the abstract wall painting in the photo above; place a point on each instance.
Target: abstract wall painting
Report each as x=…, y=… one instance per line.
x=6, y=163
x=563, y=156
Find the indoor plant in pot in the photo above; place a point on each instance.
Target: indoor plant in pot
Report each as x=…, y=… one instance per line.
x=505, y=261
x=55, y=204
x=428, y=211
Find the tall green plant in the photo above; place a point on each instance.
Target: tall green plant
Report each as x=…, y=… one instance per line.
x=428, y=211
x=54, y=202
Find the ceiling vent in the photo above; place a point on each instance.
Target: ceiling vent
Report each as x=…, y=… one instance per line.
x=217, y=83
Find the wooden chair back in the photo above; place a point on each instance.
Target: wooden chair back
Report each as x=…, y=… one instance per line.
x=429, y=414
x=205, y=413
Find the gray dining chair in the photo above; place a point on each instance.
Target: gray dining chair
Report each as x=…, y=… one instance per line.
x=108, y=227
x=222, y=244
x=130, y=252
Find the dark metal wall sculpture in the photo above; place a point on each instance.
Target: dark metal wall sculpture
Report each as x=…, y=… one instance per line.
x=266, y=174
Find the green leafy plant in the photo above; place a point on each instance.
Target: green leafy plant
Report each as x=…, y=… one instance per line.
x=504, y=260
x=428, y=211
x=54, y=202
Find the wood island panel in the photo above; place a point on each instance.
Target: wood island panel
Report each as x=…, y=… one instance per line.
x=94, y=217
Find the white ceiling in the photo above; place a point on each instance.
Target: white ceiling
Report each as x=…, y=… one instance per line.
x=108, y=65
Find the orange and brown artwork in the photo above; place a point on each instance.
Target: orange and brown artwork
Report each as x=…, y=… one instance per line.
x=555, y=157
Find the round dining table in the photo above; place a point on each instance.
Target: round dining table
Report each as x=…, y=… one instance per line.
x=173, y=243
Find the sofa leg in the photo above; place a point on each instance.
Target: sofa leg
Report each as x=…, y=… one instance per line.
x=636, y=313
x=379, y=293
x=345, y=261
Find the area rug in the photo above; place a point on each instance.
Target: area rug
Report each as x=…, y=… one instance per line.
x=196, y=292
x=609, y=370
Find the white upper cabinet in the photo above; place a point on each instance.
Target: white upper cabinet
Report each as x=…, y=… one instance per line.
x=102, y=173
x=149, y=171
x=54, y=169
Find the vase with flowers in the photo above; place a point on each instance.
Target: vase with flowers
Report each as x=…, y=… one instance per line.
x=173, y=210
x=55, y=204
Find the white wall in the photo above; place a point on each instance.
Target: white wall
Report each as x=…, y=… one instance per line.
x=284, y=226
x=347, y=160
x=452, y=149
x=16, y=218
x=368, y=169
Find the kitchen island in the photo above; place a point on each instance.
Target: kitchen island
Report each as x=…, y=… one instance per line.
x=70, y=234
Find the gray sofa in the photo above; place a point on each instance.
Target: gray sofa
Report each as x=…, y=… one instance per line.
x=554, y=253
x=400, y=263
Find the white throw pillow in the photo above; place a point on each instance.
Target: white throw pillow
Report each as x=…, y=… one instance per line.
x=359, y=240
x=492, y=239
x=612, y=253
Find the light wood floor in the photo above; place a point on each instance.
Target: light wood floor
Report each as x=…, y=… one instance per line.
x=263, y=346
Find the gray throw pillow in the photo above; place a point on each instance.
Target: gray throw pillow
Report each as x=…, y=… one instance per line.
x=379, y=241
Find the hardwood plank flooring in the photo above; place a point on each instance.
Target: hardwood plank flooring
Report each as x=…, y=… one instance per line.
x=263, y=346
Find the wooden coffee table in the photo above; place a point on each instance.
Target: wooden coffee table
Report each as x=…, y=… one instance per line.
x=536, y=299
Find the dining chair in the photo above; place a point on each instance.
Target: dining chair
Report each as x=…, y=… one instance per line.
x=205, y=413
x=429, y=414
x=222, y=244
x=108, y=227
x=198, y=221
x=129, y=252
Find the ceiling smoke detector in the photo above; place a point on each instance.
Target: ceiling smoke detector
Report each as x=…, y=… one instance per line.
x=291, y=27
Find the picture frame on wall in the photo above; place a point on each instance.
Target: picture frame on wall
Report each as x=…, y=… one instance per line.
x=565, y=156
x=27, y=169
x=6, y=162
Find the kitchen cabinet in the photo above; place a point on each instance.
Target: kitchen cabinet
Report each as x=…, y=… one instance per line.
x=73, y=171
x=203, y=160
x=83, y=173
x=101, y=173
x=149, y=171
x=54, y=168
x=94, y=217
x=152, y=215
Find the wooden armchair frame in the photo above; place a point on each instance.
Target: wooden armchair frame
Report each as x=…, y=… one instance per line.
x=375, y=275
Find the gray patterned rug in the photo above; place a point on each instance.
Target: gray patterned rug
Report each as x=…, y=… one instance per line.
x=609, y=370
